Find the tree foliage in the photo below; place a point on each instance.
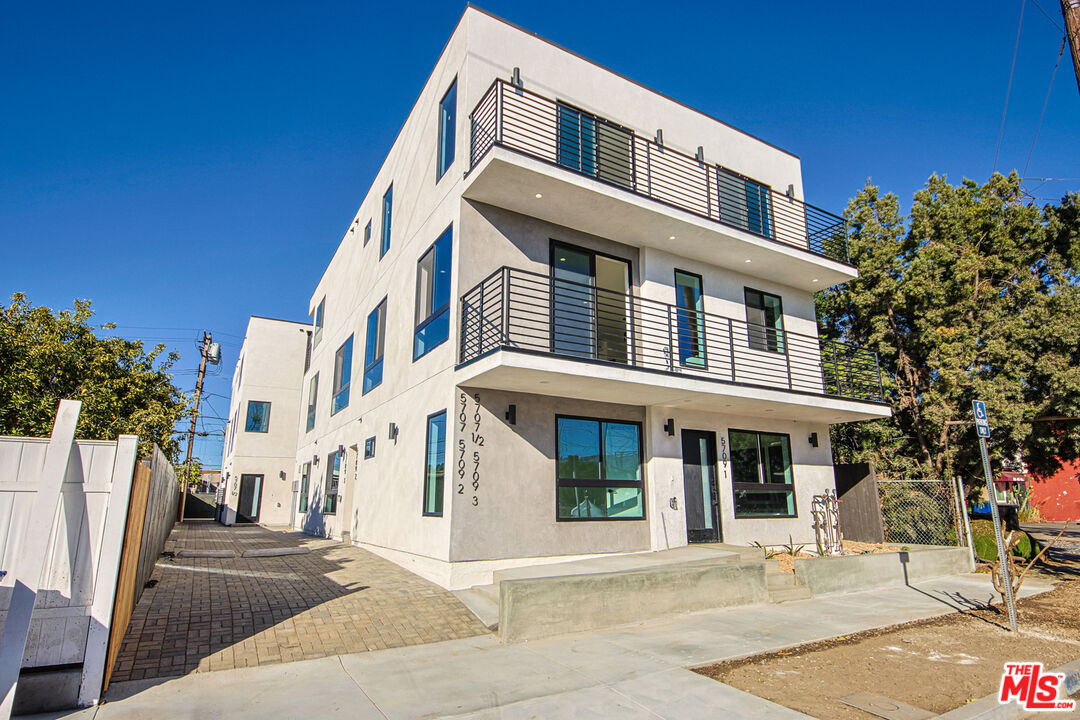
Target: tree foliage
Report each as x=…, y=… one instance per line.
x=46, y=357
x=974, y=295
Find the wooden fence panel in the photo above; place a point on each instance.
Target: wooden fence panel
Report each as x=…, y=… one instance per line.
x=860, y=511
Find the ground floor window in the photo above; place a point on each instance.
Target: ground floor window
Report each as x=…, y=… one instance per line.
x=333, y=476
x=305, y=478
x=435, y=464
x=761, y=476
x=598, y=469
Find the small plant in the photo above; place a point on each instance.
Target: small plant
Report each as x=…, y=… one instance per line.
x=765, y=549
x=791, y=549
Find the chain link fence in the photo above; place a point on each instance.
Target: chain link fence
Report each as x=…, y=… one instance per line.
x=921, y=512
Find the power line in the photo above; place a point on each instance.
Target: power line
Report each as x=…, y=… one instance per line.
x=1008, y=91
x=1048, y=16
x=1045, y=102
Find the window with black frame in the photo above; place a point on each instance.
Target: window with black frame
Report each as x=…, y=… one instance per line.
x=435, y=464
x=761, y=474
x=313, y=395
x=333, y=477
x=258, y=416
x=342, y=377
x=374, y=343
x=433, y=295
x=765, y=321
x=305, y=479
x=598, y=469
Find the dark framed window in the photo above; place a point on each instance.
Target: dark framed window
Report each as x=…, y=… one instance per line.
x=761, y=474
x=312, y=396
x=369, y=448
x=691, y=318
x=387, y=217
x=598, y=469
x=765, y=321
x=319, y=321
x=333, y=477
x=744, y=203
x=433, y=295
x=373, y=347
x=307, y=352
x=435, y=464
x=367, y=233
x=447, y=127
x=594, y=146
x=258, y=417
x=305, y=479
x=342, y=376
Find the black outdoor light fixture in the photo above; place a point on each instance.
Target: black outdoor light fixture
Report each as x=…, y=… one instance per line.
x=511, y=414
x=700, y=157
x=515, y=79
x=813, y=439
x=660, y=137
x=669, y=427
x=393, y=431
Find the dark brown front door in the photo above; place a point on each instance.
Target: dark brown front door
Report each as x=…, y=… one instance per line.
x=701, y=496
x=247, y=511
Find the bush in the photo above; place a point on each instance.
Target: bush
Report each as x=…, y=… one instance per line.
x=982, y=534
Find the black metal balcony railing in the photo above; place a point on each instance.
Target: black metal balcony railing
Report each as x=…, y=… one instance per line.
x=525, y=311
x=563, y=135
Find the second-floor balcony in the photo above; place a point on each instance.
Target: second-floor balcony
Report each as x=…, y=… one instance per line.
x=736, y=214
x=535, y=314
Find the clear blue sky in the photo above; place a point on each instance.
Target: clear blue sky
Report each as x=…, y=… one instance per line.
x=186, y=165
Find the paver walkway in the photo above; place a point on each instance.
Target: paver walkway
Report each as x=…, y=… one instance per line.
x=223, y=613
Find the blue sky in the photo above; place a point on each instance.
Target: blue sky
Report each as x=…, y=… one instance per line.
x=186, y=166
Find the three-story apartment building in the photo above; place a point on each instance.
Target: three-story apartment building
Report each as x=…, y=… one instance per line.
x=572, y=317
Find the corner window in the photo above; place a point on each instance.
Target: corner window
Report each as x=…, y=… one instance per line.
x=447, y=126
x=305, y=479
x=369, y=448
x=598, y=469
x=258, y=417
x=761, y=476
x=373, y=347
x=313, y=393
x=387, y=216
x=333, y=475
x=691, y=319
x=765, y=322
x=342, y=376
x=435, y=464
x=744, y=203
x=367, y=233
x=318, y=322
x=433, y=295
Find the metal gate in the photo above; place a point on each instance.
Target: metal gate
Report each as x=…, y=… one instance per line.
x=921, y=512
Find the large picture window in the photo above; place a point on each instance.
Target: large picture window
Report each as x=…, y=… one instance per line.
x=333, y=477
x=342, y=376
x=312, y=396
x=373, y=347
x=761, y=476
x=765, y=321
x=598, y=469
x=258, y=416
x=435, y=464
x=433, y=295
x=447, y=125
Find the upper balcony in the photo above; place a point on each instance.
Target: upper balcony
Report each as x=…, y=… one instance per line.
x=705, y=361
x=550, y=160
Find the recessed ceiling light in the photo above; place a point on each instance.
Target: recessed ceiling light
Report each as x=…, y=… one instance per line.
x=815, y=279
x=671, y=237
x=539, y=195
x=748, y=260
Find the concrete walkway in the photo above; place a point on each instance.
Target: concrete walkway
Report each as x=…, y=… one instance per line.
x=629, y=672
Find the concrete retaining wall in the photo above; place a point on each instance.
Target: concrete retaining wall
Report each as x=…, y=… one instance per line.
x=539, y=607
x=860, y=572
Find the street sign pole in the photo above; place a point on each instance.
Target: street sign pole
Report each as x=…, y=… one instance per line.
x=982, y=425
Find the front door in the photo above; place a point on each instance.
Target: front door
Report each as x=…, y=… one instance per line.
x=247, y=510
x=700, y=492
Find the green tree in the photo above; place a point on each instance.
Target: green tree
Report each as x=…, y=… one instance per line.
x=974, y=295
x=46, y=357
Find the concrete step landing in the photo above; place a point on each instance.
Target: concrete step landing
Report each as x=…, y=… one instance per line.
x=483, y=602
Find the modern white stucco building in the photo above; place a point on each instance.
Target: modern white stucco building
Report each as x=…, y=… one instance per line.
x=571, y=317
x=260, y=439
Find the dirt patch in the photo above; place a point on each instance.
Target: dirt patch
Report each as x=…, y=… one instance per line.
x=787, y=562
x=937, y=664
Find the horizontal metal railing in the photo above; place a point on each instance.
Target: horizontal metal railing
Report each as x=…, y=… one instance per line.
x=527, y=311
x=532, y=124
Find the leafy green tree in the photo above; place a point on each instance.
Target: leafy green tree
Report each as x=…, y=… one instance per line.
x=46, y=357
x=974, y=295
x=189, y=475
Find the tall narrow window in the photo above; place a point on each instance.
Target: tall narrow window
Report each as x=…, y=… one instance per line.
x=387, y=217
x=447, y=126
x=307, y=353
x=342, y=376
x=333, y=476
x=598, y=469
x=765, y=321
x=373, y=347
x=761, y=475
x=312, y=395
x=319, y=322
x=258, y=417
x=435, y=464
x=367, y=233
x=433, y=295
x=305, y=479
x=691, y=319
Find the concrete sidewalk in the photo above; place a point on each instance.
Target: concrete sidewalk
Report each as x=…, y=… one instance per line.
x=635, y=671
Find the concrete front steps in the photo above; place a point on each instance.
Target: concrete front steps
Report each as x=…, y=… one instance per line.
x=540, y=600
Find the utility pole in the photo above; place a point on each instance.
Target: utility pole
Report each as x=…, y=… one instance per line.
x=208, y=352
x=1070, y=11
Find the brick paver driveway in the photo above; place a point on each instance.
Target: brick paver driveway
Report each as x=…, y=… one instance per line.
x=221, y=613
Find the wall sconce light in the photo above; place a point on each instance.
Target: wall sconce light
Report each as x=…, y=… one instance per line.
x=315, y=460
x=393, y=431
x=669, y=427
x=700, y=157
x=511, y=414
x=282, y=475
x=340, y=449
x=791, y=191
x=813, y=439
x=515, y=78
x=660, y=137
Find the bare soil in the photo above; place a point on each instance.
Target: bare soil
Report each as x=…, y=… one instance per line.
x=937, y=664
x=851, y=547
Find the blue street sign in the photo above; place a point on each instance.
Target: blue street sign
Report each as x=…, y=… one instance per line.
x=982, y=423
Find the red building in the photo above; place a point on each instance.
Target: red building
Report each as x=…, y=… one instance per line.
x=1058, y=497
